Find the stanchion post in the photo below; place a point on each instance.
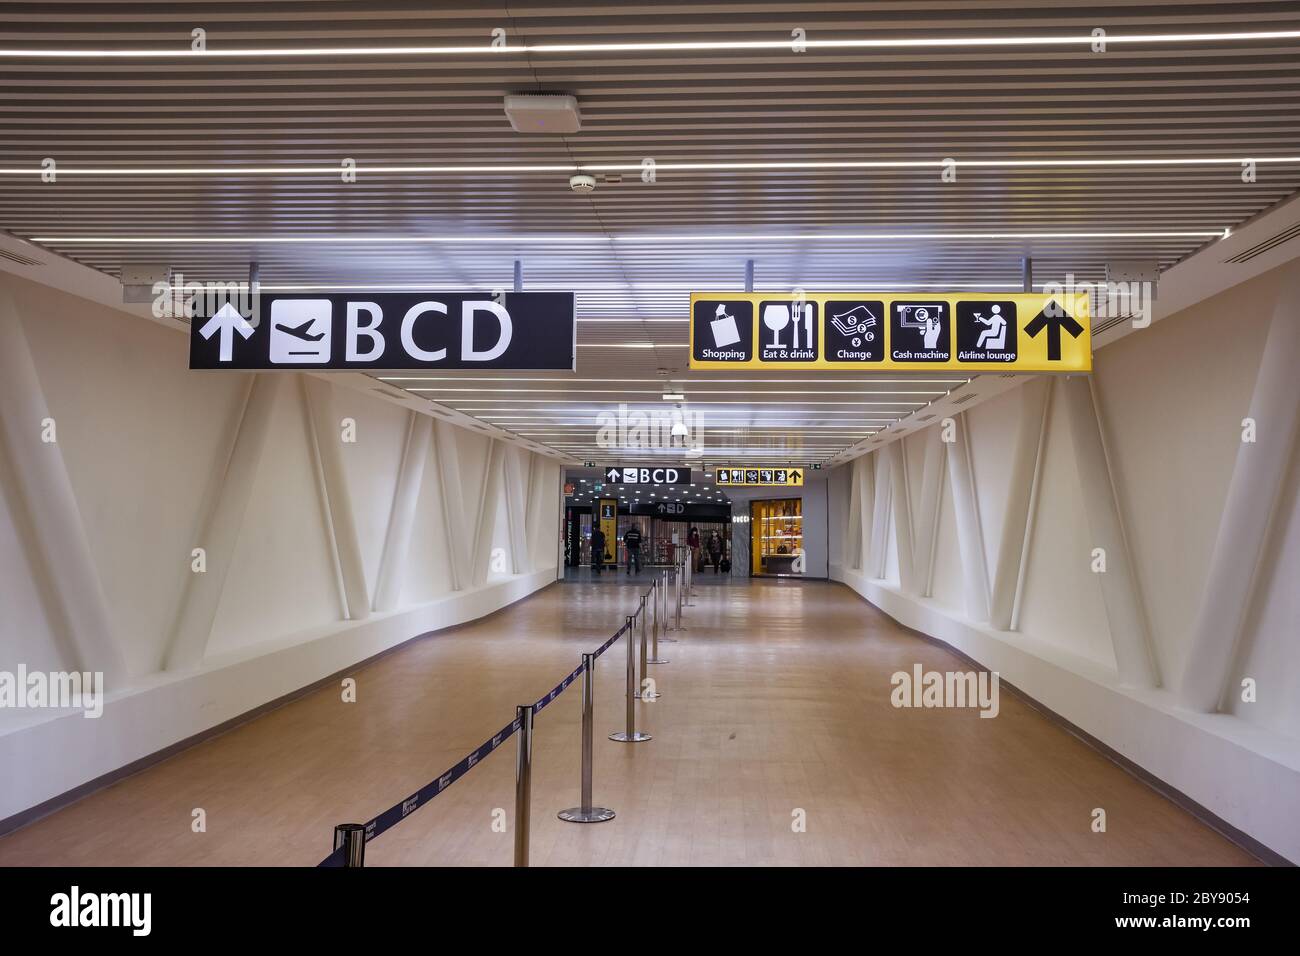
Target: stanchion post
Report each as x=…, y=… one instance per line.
x=681, y=570
x=642, y=693
x=351, y=837
x=663, y=612
x=586, y=813
x=630, y=735
x=523, y=781
x=654, y=634
x=654, y=611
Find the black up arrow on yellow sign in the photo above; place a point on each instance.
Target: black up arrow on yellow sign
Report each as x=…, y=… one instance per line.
x=1054, y=319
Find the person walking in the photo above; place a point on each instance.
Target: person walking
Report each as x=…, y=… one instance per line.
x=715, y=551
x=632, y=544
x=693, y=542
x=597, y=549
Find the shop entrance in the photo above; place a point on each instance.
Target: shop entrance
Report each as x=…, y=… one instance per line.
x=776, y=537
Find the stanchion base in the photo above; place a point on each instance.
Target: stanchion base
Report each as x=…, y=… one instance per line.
x=658, y=661
x=667, y=640
x=634, y=738
x=579, y=815
x=641, y=696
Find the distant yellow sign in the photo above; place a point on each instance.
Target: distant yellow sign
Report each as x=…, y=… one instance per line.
x=765, y=476
x=1013, y=331
x=609, y=526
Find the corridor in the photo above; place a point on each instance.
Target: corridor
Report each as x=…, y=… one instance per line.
x=776, y=699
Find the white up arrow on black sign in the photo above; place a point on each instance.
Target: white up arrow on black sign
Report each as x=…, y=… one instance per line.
x=227, y=322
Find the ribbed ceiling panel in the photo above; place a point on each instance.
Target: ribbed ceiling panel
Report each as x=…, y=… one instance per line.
x=1195, y=99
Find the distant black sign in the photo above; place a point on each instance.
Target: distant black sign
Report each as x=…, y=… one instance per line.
x=648, y=476
x=680, y=510
x=359, y=331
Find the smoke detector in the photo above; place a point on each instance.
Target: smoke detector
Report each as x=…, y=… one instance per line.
x=582, y=183
x=543, y=112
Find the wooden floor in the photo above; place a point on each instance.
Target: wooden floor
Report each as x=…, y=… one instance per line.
x=776, y=699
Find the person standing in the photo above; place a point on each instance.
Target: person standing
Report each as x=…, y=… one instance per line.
x=597, y=549
x=693, y=542
x=632, y=544
x=715, y=551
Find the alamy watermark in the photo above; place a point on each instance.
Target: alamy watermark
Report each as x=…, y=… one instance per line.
x=1109, y=299
x=193, y=299
x=922, y=688
x=53, y=690
x=678, y=429
x=133, y=911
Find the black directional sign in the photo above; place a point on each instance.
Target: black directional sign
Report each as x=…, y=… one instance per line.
x=1053, y=318
x=634, y=475
x=363, y=331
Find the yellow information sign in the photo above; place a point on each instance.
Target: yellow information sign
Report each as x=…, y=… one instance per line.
x=975, y=331
x=609, y=525
x=764, y=475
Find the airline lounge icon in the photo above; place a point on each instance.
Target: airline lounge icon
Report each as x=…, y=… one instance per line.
x=995, y=336
x=300, y=331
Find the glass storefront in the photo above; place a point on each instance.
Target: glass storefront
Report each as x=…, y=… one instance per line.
x=776, y=536
x=656, y=538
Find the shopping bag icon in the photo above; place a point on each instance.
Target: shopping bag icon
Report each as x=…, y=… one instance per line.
x=724, y=327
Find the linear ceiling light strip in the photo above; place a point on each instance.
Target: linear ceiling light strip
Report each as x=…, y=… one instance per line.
x=657, y=46
x=757, y=166
x=595, y=240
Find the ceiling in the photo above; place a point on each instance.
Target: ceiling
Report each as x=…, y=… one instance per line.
x=914, y=105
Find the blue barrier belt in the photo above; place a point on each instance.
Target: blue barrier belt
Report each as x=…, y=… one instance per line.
x=400, y=811
x=556, y=691
x=610, y=643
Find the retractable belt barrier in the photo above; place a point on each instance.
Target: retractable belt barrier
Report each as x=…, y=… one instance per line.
x=350, y=838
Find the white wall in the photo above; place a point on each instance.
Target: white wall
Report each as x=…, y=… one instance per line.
x=158, y=460
x=1168, y=402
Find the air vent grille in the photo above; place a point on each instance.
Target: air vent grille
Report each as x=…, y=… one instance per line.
x=19, y=258
x=1110, y=323
x=1286, y=235
x=963, y=400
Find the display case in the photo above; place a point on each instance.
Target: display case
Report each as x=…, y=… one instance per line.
x=776, y=533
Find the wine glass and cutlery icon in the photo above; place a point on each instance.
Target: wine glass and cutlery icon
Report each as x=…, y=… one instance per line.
x=799, y=315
